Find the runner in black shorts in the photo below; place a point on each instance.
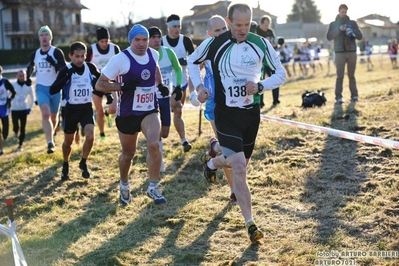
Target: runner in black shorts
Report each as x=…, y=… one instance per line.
x=76, y=80
x=137, y=70
x=99, y=54
x=238, y=86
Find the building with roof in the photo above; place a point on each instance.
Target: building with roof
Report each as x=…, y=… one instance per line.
x=378, y=29
x=195, y=25
x=20, y=21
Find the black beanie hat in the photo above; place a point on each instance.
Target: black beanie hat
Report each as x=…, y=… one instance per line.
x=154, y=31
x=102, y=33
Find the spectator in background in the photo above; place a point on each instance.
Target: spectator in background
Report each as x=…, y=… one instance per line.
x=99, y=54
x=306, y=59
x=297, y=59
x=344, y=32
x=264, y=30
x=362, y=49
x=368, y=48
x=21, y=106
x=316, y=57
x=331, y=57
x=47, y=61
x=393, y=52
x=285, y=57
x=5, y=102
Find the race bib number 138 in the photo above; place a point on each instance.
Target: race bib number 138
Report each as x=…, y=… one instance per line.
x=236, y=92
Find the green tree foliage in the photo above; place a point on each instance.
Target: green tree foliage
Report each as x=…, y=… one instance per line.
x=304, y=11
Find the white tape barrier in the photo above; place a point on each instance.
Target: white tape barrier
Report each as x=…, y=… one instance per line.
x=19, y=258
x=325, y=59
x=337, y=133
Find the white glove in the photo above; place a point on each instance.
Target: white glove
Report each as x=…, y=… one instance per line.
x=193, y=99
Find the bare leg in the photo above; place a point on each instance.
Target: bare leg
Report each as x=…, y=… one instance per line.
x=151, y=128
x=47, y=123
x=97, y=100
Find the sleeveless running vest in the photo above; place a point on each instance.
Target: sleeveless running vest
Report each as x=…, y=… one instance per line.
x=79, y=89
x=100, y=60
x=143, y=98
x=45, y=72
x=180, y=52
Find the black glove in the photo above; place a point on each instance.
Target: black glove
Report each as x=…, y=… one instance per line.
x=8, y=104
x=183, y=61
x=36, y=102
x=51, y=60
x=178, y=93
x=163, y=90
x=110, y=99
x=28, y=82
x=129, y=85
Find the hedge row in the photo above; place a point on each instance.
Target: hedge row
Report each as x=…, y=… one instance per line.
x=21, y=56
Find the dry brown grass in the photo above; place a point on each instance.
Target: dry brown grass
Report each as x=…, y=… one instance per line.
x=311, y=192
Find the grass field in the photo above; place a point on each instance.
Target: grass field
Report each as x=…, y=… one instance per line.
x=314, y=195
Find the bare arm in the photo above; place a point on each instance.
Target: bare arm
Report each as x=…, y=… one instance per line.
x=158, y=76
x=104, y=84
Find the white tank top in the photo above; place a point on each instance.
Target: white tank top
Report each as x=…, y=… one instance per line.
x=180, y=52
x=100, y=60
x=45, y=72
x=81, y=90
x=166, y=68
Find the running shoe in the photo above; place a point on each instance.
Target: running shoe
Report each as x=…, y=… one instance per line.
x=209, y=174
x=19, y=149
x=85, y=172
x=64, y=173
x=233, y=199
x=64, y=177
x=109, y=120
x=125, y=197
x=156, y=195
x=254, y=233
x=212, y=142
x=340, y=101
x=50, y=148
x=186, y=146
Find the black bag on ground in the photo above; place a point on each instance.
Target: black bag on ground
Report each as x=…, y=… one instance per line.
x=313, y=98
